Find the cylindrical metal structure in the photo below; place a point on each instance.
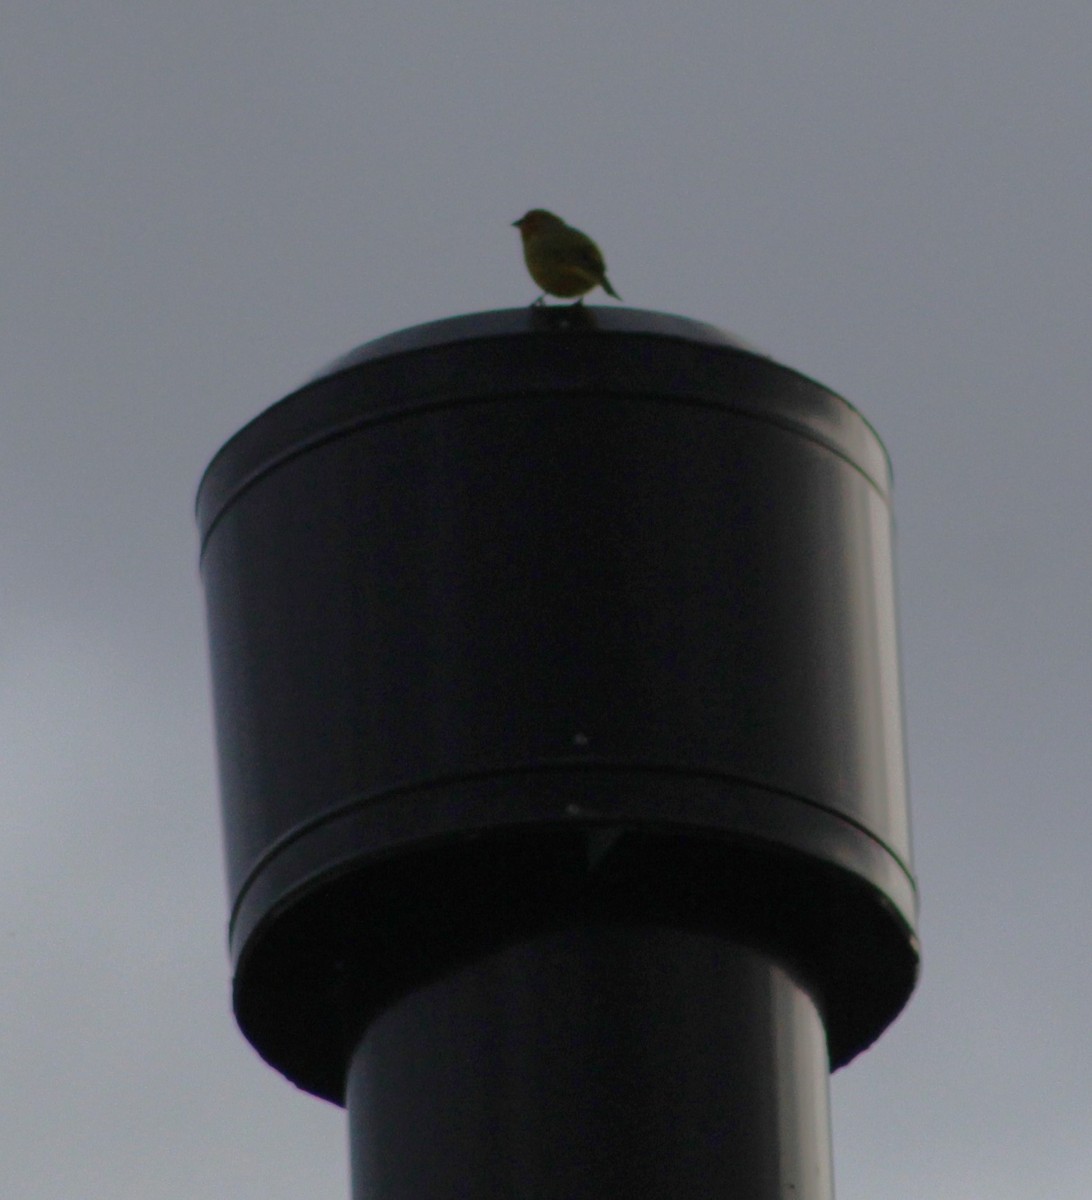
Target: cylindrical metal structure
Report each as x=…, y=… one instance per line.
x=597, y=1061
x=557, y=701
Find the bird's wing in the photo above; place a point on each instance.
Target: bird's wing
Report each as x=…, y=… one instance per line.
x=591, y=257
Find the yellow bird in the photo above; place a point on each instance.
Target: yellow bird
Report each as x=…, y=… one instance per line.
x=562, y=260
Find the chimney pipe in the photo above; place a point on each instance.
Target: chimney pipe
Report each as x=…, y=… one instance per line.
x=557, y=701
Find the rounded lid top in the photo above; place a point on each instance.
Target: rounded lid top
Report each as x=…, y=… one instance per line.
x=562, y=336
x=535, y=318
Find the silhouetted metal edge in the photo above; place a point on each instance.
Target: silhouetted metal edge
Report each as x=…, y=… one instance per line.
x=295, y=424
x=851, y=884
x=535, y=320
x=718, y=807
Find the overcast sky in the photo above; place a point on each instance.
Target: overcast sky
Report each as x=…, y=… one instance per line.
x=206, y=201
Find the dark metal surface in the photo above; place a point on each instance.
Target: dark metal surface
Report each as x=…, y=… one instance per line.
x=594, y=1063
x=505, y=322
x=497, y=589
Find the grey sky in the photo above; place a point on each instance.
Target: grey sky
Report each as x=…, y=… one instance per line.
x=207, y=201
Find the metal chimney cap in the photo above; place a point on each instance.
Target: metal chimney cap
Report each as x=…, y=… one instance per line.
x=247, y=453
x=550, y=318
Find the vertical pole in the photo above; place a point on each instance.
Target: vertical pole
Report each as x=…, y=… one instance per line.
x=595, y=1063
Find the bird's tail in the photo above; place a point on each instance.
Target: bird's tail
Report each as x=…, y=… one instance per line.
x=609, y=290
